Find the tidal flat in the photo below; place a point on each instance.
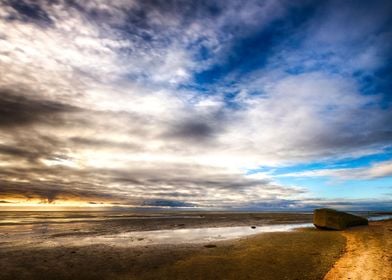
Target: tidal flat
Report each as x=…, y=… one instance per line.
x=195, y=245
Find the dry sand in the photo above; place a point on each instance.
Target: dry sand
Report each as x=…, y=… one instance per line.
x=368, y=254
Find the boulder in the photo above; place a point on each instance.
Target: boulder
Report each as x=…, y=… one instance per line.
x=336, y=220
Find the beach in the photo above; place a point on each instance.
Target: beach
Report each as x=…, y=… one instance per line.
x=104, y=249
x=368, y=253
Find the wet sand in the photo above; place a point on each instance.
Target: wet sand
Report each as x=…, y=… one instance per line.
x=122, y=246
x=290, y=255
x=28, y=250
x=36, y=229
x=368, y=254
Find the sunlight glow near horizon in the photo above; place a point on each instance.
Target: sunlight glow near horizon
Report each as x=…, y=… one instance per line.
x=57, y=205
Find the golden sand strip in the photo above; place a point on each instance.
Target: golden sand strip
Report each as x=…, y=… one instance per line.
x=368, y=254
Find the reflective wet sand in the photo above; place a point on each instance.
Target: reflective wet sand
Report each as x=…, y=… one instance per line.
x=142, y=238
x=134, y=229
x=165, y=246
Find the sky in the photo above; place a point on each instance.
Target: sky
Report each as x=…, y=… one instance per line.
x=233, y=105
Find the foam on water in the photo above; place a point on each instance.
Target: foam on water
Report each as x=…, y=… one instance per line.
x=380, y=218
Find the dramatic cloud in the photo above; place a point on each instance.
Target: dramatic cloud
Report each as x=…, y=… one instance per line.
x=18, y=110
x=186, y=104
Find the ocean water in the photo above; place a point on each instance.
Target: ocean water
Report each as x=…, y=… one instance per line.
x=39, y=217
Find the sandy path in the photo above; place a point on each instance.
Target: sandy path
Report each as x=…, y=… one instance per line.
x=368, y=254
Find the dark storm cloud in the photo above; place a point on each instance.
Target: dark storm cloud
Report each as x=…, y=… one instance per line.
x=166, y=203
x=49, y=193
x=17, y=109
x=22, y=117
x=30, y=12
x=193, y=130
x=14, y=152
x=49, y=184
x=200, y=127
x=31, y=145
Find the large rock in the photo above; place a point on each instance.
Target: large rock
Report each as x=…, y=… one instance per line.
x=331, y=219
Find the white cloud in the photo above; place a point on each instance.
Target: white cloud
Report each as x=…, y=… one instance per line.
x=376, y=170
x=120, y=75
